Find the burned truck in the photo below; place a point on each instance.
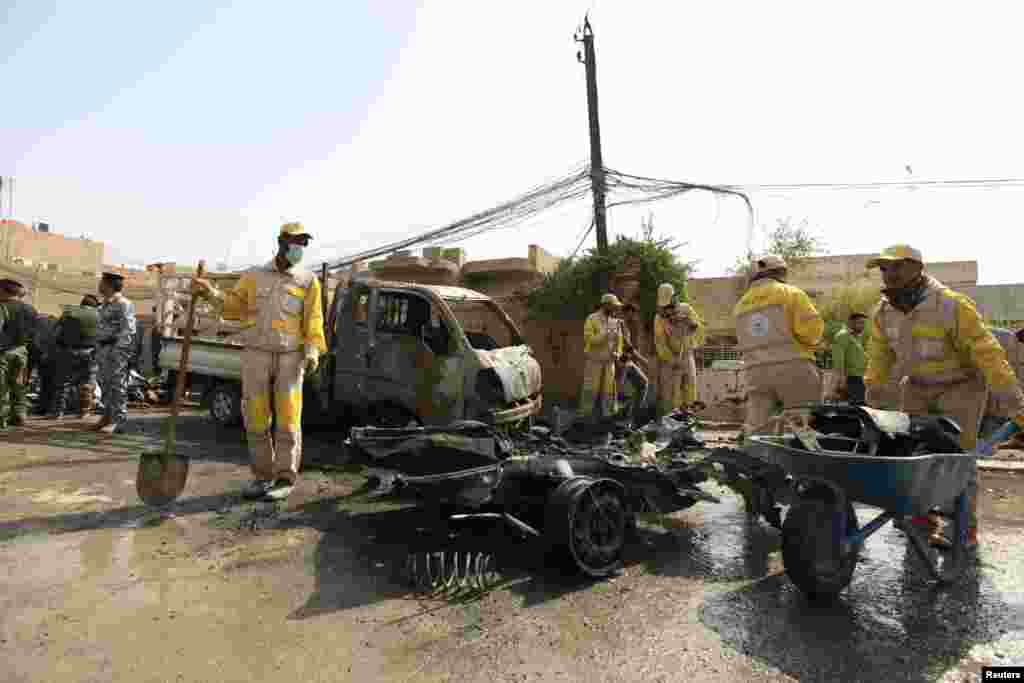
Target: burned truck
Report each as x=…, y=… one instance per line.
x=398, y=354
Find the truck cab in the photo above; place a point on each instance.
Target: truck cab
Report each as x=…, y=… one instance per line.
x=402, y=353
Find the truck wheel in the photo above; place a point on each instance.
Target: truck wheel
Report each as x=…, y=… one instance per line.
x=586, y=522
x=808, y=542
x=225, y=402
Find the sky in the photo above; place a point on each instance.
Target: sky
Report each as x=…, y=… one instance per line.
x=192, y=130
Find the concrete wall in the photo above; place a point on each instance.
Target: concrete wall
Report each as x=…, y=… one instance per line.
x=19, y=242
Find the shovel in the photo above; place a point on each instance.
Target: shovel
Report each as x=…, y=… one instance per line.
x=162, y=475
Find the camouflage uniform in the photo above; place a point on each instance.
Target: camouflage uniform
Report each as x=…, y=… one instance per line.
x=115, y=335
x=17, y=321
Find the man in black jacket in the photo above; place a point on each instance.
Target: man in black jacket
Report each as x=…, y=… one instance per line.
x=76, y=358
x=17, y=320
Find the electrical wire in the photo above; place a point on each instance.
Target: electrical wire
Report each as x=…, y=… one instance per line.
x=507, y=214
x=583, y=239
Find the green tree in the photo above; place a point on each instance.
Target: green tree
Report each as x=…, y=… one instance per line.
x=837, y=305
x=794, y=242
x=572, y=291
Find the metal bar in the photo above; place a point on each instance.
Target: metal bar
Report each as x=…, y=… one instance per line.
x=858, y=537
x=504, y=516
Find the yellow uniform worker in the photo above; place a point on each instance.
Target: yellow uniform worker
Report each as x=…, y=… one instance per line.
x=778, y=329
x=694, y=339
x=279, y=307
x=934, y=342
x=602, y=347
x=675, y=326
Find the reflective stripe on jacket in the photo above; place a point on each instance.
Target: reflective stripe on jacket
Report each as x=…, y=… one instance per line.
x=776, y=323
x=279, y=311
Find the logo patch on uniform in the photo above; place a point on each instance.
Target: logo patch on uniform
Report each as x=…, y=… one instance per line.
x=759, y=325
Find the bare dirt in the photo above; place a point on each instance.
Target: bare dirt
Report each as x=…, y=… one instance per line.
x=95, y=587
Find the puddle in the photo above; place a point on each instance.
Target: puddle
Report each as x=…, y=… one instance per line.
x=892, y=623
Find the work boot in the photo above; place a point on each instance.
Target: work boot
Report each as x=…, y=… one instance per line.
x=257, y=488
x=17, y=420
x=281, y=489
x=102, y=424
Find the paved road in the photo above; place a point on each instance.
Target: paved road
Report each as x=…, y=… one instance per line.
x=92, y=588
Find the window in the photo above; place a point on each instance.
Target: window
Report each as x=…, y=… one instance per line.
x=485, y=327
x=400, y=313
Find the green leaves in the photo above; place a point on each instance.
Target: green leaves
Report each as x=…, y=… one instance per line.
x=572, y=291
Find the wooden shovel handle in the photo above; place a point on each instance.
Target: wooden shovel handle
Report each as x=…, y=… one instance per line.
x=186, y=347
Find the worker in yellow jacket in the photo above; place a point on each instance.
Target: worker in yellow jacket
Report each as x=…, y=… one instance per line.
x=778, y=328
x=602, y=347
x=279, y=307
x=946, y=359
x=675, y=325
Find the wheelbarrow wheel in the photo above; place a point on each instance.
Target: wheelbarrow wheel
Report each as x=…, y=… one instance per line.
x=809, y=549
x=586, y=523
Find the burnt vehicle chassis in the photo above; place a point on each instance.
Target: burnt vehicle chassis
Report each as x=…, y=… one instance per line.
x=579, y=501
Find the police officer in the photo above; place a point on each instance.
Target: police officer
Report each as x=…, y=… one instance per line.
x=933, y=341
x=778, y=329
x=17, y=320
x=115, y=343
x=76, y=358
x=279, y=307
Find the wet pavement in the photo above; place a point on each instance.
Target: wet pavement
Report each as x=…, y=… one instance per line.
x=94, y=587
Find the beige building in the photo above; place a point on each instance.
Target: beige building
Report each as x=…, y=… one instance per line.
x=26, y=246
x=715, y=297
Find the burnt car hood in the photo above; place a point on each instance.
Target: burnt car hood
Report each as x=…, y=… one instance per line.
x=517, y=369
x=424, y=451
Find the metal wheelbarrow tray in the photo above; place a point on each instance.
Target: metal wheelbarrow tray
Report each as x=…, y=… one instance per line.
x=821, y=539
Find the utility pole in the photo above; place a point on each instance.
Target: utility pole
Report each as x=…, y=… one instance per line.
x=586, y=36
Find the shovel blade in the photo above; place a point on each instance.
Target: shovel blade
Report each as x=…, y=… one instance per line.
x=161, y=478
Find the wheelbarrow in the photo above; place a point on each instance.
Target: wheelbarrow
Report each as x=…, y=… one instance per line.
x=821, y=537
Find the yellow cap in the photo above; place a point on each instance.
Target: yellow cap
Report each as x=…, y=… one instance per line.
x=294, y=230
x=610, y=299
x=763, y=264
x=665, y=293
x=899, y=252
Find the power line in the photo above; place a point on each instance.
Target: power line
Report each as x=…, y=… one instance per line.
x=586, y=233
x=908, y=184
